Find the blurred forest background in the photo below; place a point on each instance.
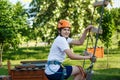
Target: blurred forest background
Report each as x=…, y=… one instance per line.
x=36, y=25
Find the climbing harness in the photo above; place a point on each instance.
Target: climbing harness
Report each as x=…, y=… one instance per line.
x=64, y=73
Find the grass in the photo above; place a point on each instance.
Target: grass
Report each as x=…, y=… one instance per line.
x=27, y=53
x=107, y=68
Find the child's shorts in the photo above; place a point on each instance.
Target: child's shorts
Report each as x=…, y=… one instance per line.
x=58, y=75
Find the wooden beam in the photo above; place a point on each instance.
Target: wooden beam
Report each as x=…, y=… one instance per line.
x=24, y=67
x=100, y=3
x=95, y=30
x=33, y=62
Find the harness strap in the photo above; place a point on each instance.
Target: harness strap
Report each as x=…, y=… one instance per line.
x=54, y=62
x=64, y=73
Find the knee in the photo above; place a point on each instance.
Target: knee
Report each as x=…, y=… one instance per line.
x=81, y=71
x=76, y=71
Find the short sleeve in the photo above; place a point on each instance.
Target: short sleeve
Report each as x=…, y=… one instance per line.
x=69, y=40
x=62, y=44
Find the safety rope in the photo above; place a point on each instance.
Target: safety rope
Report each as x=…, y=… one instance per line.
x=89, y=35
x=83, y=74
x=100, y=23
x=89, y=69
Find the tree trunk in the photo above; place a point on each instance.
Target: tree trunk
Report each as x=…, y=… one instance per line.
x=118, y=38
x=36, y=42
x=119, y=44
x=107, y=57
x=1, y=51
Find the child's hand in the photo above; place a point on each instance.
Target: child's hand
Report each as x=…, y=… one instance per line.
x=89, y=27
x=93, y=59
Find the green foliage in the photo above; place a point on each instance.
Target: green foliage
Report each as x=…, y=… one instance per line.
x=49, y=12
x=108, y=28
x=5, y=20
x=12, y=22
x=110, y=25
x=116, y=15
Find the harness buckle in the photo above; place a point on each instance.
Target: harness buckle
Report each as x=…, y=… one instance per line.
x=54, y=62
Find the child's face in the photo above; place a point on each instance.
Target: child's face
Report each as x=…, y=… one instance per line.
x=65, y=32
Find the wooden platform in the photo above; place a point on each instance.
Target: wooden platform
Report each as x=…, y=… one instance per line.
x=28, y=74
x=28, y=70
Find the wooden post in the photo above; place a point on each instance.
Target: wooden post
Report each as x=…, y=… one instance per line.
x=100, y=3
x=1, y=51
x=9, y=66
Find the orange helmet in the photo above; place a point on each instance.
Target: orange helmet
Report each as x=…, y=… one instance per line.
x=63, y=24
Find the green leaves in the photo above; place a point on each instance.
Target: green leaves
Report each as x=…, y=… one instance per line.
x=108, y=28
x=49, y=12
x=12, y=21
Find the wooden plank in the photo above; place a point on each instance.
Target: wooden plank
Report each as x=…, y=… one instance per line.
x=33, y=62
x=95, y=30
x=100, y=3
x=25, y=66
x=28, y=75
x=30, y=66
x=27, y=72
x=29, y=79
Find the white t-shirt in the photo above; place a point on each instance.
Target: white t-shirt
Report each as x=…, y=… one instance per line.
x=57, y=53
